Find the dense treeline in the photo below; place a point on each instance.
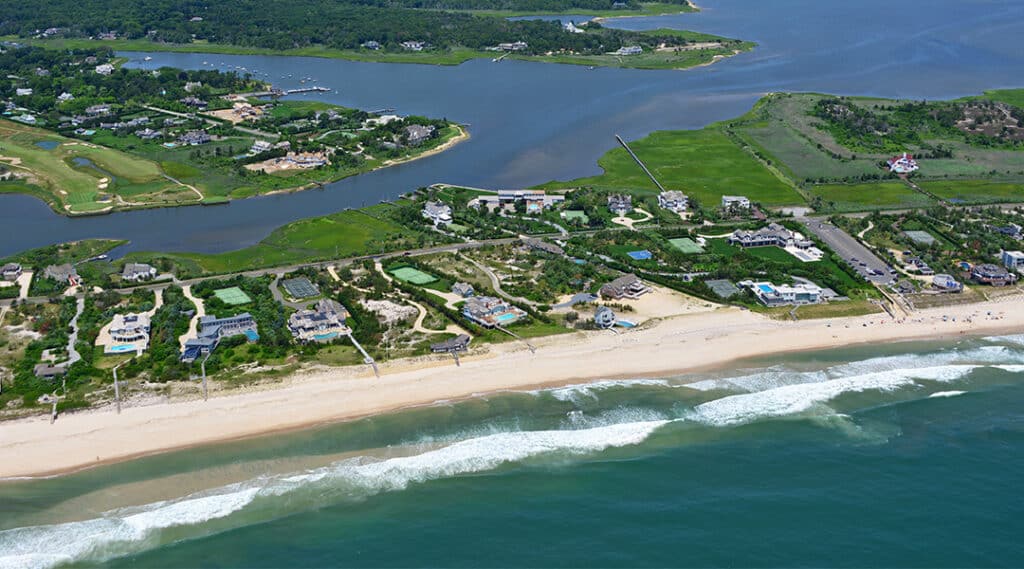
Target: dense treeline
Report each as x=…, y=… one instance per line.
x=300, y=23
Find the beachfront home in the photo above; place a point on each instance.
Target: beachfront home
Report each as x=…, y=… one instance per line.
x=536, y=200
x=772, y=235
x=415, y=134
x=1013, y=260
x=65, y=273
x=105, y=69
x=735, y=202
x=946, y=283
x=323, y=323
x=413, y=45
x=437, y=212
x=620, y=204
x=465, y=290
x=10, y=272
x=903, y=164
x=673, y=201
x=627, y=286
x=212, y=330
x=128, y=333
x=994, y=275
x=135, y=272
x=629, y=50
x=459, y=343
x=604, y=317
x=783, y=295
x=489, y=311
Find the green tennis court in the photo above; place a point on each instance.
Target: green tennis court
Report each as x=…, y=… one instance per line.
x=686, y=245
x=232, y=295
x=414, y=276
x=575, y=214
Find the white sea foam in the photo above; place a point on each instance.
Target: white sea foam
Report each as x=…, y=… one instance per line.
x=576, y=392
x=128, y=530
x=803, y=397
x=939, y=394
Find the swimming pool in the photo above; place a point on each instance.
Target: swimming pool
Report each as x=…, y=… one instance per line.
x=327, y=336
x=507, y=316
x=626, y=324
x=252, y=335
x=765, y=289
x=121, y=348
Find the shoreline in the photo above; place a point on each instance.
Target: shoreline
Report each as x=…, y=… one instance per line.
x=692, y=343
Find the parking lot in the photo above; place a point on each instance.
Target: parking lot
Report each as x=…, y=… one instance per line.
x=856, y=255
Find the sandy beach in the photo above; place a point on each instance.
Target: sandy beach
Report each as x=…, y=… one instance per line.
x=687, y=342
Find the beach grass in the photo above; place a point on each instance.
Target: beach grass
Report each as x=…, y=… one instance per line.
x=870, y=196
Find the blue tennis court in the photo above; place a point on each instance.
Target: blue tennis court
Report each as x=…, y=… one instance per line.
x=641, y=255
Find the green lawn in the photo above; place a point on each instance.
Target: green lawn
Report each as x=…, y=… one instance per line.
x=976, y=191
x=705, y=164
x=862, y=197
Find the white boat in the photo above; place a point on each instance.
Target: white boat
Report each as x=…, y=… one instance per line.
x=147, y=58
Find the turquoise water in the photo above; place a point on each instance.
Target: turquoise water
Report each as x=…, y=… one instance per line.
x=626, y=324
x=505, y=317
x=326, y=336
x=908, y=455
x=252, y=335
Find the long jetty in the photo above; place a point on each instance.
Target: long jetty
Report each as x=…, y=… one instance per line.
x=638, y=161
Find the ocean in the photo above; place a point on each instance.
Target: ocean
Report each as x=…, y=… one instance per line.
x=907, y=455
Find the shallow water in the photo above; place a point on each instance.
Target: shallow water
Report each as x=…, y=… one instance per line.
x=906, y=455
x=533, y=122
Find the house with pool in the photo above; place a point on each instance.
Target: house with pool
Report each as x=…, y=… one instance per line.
x=128, y=333
x=212, y=330
x=785, y=295
x=322, y=323
x=490, y=312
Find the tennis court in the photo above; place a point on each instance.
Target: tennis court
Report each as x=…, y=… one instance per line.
x=300, y=288
x=575, y=214
x=232, y=295
x=411, y=275
x=686, y=245
x=722, y=288
x=641, y=255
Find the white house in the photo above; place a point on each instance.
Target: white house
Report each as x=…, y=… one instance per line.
x=782, y=295
x=735, y=201
x=904, y=164
x=437, y=212
x=105, y=69
x=1013, y=260
x=674, y=201
x=65, y=97
x=629, y=50
x=23, y=92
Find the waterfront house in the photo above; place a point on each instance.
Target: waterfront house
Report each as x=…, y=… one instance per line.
x=371, y=45
x=415, y=134
x=946, y=283
x=194, y=138
x=212, y=330
x=465, y=290
x=994, y=275
x=573, y=29
x=513, y=46
x=134, y=272
x=323, y=323
x=1013, y=260
x=627, y=286
x=737, y=202
x=489, y=311
x=129, y=331
x=903, y=164
x=437, y=212
x=459, y=343
x=604, y=317
x=65, y=273
x=536, y=200
x=413, y=45
x=620, y=204
x=629, y=50
x=673, y=201
x=10, y=272
x=783, y=295
x=105, y=69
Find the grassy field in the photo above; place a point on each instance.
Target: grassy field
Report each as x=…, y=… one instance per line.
x=347, y=233
x=70, y=176
x=647, y=9
x=976, y=191
x=863, y=197
x=705, y=164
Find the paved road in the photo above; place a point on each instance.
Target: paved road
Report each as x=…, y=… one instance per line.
x=866, y=263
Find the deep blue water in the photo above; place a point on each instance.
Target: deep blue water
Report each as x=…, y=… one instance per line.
x=909, y=455
x=533, y=122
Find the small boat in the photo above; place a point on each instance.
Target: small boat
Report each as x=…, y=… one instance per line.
x=147, y=58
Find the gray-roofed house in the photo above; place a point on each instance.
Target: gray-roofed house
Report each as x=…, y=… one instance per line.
x=135, y=272
x=10, y=272
x=773, y=235
x=47, y=371
x=437, y=212
x=465, y=290
x=673, y=201
x=212, y=330
x=543, y=246
x=627, y=286
x=620, y=204
x=194, y=138
x=416, y=134
x=459, y=343
x=65, y=273
x=323, y=323
x=604, y=317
